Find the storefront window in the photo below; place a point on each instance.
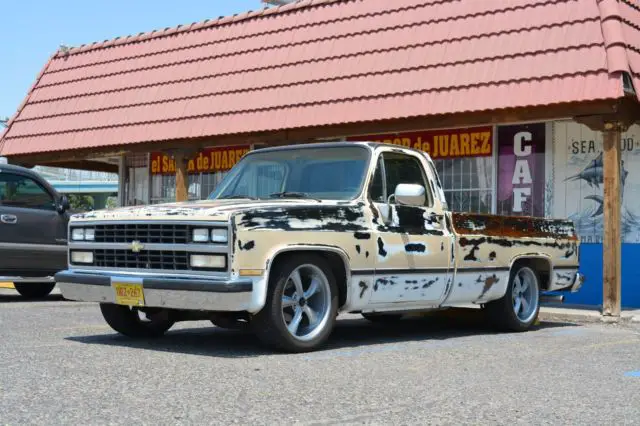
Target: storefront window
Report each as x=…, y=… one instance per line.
x=137, y=179
x=467, y=183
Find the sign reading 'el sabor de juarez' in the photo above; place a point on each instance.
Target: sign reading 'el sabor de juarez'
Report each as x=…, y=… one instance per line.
x=439, y=144
x=209, y=160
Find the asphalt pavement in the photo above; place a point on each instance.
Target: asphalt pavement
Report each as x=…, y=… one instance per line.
x=61, y=364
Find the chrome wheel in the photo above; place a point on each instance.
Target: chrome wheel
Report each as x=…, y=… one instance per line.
x=306, y=302
x=524, y=294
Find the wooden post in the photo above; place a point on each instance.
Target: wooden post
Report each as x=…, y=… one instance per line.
x=182, y=179
x=611, y=257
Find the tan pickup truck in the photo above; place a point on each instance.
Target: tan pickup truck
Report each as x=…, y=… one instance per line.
x=295, y=235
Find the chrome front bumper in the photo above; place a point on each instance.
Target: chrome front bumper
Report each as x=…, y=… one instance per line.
x=160, y=292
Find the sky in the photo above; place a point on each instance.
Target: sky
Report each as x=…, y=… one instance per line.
x=32, y=30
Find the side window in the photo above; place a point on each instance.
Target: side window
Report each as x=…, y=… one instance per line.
x=24, y=192
x=402, y=168
x=376, y=188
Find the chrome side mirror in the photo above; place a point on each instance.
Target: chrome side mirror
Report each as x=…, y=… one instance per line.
x=410, y=194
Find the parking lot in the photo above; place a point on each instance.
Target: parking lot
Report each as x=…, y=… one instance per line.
x=61, y=364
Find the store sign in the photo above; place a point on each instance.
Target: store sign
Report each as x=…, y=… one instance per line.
x=439, y=144
x=578, y=180
x=521, y=174
x=209, y=160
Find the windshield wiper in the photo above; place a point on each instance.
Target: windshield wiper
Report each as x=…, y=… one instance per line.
x=287, y=194
x=232, y=197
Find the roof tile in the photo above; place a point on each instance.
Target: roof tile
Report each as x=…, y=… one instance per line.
x=328, y=62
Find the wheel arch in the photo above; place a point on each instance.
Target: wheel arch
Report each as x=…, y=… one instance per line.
x=541, y=264
x=335, y=256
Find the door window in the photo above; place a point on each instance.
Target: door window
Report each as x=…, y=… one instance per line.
x=23, y=192
x=402, y=168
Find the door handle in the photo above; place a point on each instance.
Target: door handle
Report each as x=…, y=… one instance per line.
x=9, y=219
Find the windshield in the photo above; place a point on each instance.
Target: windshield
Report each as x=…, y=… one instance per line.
x=330, y=173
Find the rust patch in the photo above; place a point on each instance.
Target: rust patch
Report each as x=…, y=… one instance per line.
x=513, y=226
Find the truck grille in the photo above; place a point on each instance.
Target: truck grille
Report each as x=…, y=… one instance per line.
x=145, y=233
x=164, y=259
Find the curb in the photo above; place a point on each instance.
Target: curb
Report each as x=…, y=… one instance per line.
x=583, y=316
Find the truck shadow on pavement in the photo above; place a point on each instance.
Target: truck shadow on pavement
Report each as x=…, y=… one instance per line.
x=349, y=336
x=14, y=297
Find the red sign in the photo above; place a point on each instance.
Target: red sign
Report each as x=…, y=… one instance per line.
x=448, y=143
x=209, y=160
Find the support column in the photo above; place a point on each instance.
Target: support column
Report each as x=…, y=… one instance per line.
x=182, y=179
x=611, y=242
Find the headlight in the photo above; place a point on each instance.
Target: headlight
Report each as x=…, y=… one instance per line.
x=81, y=257
x=90, y=234
x=201, y=235
x=208, y=261
x=219, y=235
x=77, y=234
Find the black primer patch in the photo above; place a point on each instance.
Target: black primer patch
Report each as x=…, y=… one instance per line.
x=381, y=251
x=248, y=246
x=488, y=283
x=429, y=283
x=362, y=235
x=367, y=253
x=415, y=247
x=363, y=287
x=563, y=276
x=358, y=248
x=331, y=218
x=492, y=256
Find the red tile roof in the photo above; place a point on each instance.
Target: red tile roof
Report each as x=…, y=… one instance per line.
x=328, y=62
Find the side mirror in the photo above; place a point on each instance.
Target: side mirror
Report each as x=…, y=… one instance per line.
x=410, y=194
x=63, y=204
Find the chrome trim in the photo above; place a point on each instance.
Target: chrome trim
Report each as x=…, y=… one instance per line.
x=148, y=272
x=191, y=300
x=43, y=247
x=192, y=248
x=84, y=223
x=28, y=279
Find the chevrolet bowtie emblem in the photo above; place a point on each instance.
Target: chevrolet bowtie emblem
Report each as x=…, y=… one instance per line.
x=136, y=246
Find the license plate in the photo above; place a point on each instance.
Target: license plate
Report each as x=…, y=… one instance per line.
x=129, y=294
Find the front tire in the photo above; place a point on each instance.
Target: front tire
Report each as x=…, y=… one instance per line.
x=134, y=323
x=301, y=306
x=518, y=309
x=34, y=290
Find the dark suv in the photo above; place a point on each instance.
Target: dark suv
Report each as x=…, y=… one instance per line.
x=33, y=231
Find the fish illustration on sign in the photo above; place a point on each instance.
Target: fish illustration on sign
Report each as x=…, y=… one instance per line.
x=593, y=174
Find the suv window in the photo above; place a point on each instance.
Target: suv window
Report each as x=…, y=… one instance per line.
x=24, y=192
x=402, y=168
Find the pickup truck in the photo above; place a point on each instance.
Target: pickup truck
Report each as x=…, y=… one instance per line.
x=33, y=231
x=295, y=235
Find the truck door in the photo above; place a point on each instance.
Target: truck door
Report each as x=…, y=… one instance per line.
x=32, y=231
x=413, y=241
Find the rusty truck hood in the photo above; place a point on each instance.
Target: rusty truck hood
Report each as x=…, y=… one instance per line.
x=205, y=210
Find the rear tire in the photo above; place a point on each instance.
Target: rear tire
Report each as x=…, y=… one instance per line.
x=128, y=321
x=34, y=290
x=518, y=309
x=301, y=306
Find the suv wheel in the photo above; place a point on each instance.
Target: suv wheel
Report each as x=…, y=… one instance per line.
x=34, y=290
x=301, y=305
